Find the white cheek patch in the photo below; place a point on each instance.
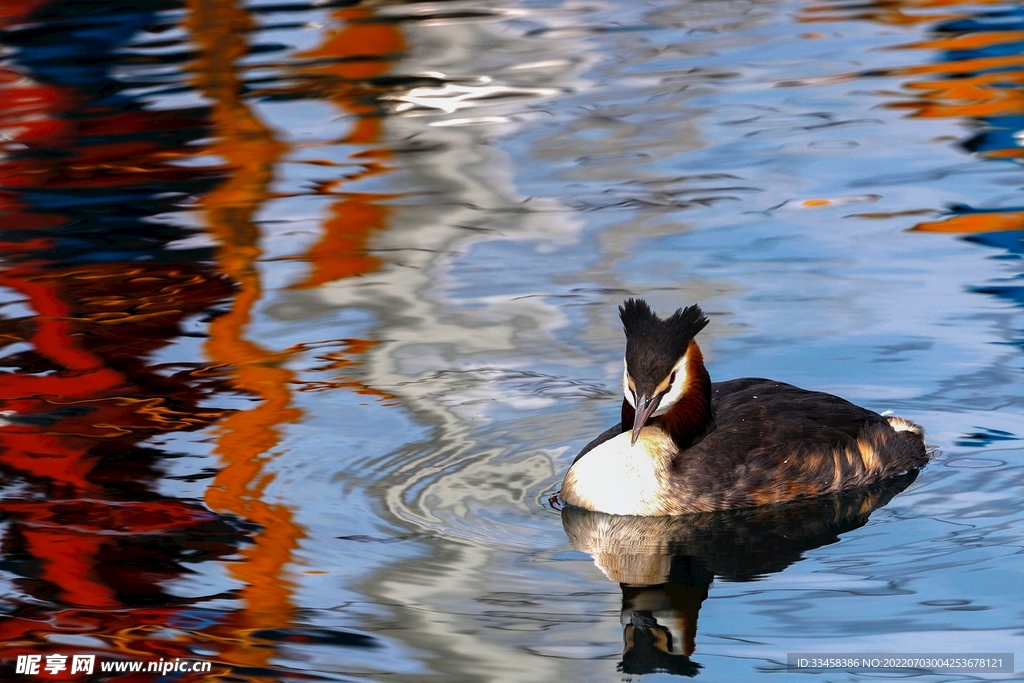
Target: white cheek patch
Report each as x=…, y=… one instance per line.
x=625, y=385
x=675, y=391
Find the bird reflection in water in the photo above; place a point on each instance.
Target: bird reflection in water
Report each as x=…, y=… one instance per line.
x=665, y=565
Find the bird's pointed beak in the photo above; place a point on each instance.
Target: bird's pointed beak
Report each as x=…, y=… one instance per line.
x=645, y=407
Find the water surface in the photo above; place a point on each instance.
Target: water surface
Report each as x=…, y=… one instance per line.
x=308, y=307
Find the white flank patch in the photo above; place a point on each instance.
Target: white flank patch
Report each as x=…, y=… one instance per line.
x=901, y=425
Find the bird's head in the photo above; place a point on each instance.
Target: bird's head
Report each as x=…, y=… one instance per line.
x=654, y=375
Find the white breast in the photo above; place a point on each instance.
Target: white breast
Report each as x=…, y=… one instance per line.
x=621, y=479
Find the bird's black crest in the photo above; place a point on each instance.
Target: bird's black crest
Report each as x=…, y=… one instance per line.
x=654, y=345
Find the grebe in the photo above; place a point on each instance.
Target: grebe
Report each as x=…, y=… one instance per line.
x=685, y=445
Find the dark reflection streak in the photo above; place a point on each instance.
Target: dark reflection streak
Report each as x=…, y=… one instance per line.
x=665, y=565
x=91, y=542
x=257, y=10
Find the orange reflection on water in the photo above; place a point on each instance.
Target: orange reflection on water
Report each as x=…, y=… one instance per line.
x=245, y=440
x=896, y=12
x=363, y=47
x=979, y=76
x=97, y=545
x=90, y=538
x=341, y=252
x=995, y=221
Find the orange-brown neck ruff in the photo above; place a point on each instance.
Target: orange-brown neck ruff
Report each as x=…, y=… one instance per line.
x=689, y=419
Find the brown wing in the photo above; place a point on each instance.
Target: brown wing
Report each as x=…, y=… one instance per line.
x=773, y=442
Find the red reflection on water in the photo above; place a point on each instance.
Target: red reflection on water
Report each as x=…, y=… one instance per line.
x=89, y=540
x=84, y=167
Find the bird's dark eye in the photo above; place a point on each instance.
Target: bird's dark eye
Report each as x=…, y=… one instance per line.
x=672, y=378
